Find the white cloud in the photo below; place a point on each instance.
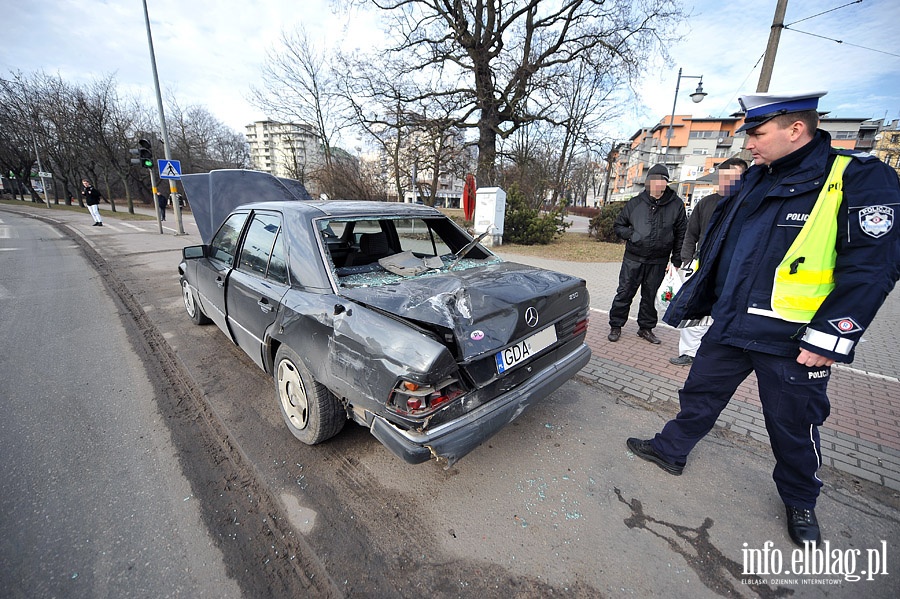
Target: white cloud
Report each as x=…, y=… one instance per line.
x=210, y=51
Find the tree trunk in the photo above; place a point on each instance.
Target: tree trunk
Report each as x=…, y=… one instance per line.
x=486, y=174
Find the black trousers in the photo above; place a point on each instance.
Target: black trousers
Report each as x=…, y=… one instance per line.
x=634, y=275
x=794, y=405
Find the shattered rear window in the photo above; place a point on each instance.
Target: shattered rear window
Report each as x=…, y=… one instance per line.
x=406, y=247
x=380, y=276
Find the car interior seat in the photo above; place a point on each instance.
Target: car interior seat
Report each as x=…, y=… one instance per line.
x=372, y=246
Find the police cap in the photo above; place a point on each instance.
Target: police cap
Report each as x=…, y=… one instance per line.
x=761, y=108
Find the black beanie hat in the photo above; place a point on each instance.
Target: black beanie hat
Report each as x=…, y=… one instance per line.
x=658, y=171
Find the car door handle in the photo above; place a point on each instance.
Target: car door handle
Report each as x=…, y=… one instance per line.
x=264, y=305
x=220, y=282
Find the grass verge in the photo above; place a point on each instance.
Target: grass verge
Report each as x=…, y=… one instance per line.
x=571, y=247
x=120, y=213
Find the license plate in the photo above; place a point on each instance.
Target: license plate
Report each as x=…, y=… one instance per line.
x=525, y=349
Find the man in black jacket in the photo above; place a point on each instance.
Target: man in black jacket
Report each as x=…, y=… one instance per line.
x=729, y=174
x=653, y=223
x=92, y=199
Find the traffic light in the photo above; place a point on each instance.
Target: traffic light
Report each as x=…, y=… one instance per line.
x=145, y=156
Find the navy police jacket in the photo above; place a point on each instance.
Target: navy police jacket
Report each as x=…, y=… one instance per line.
x=866, y=268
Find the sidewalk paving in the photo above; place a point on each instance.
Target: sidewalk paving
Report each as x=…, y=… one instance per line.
x=861, y=437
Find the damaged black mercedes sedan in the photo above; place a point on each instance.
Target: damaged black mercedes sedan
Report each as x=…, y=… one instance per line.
x=386, y=314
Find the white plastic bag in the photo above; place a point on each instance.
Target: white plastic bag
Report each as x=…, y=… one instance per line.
x=671, y=283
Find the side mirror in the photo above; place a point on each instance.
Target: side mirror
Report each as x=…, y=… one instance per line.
x=193, y=252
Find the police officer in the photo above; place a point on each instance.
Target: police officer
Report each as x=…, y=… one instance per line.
x=793, y=270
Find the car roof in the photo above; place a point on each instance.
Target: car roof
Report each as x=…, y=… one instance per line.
x=346, y=208
x=213, y=195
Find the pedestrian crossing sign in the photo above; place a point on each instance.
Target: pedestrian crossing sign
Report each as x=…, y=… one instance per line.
x=170, y=169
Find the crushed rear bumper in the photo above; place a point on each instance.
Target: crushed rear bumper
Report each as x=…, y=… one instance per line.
x=452, y=440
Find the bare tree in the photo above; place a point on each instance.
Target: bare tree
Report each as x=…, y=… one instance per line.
x=109, y=126
x=351, y=180
x=584, y=101
x=502, y=56
x=526, y=162
x=87, y=131
x=202, y=142
x=18, y=124
x=59, y=118
x=300, y=86
x=417, y=130
x=379, y=94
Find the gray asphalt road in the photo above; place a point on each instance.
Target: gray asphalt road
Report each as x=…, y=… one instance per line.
x=94, y=502
x=554, y=505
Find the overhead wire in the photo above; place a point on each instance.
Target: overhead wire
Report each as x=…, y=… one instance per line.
x=824, y=13
x=789, y=27
x=840, y=41
x=831, y=39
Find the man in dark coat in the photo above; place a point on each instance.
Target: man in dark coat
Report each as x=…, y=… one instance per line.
x=653, y=224
x=728, y=174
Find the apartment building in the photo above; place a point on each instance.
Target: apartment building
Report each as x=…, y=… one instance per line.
x=289, y=150
x=886, y=144
x=692, y=147
x=849, y=133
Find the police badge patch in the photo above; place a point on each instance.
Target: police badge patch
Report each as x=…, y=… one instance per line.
x=845, y=325
x=876, y=221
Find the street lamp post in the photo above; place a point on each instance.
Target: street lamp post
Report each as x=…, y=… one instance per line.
x=697, y=97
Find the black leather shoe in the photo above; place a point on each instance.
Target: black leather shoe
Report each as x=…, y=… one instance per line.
x=802, y=525
x=649, y=336
x=645, y=451
x=614, y=334
x=682, y=360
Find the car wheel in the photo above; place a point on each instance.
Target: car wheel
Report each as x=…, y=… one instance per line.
x=311, y=412
x=195, y=312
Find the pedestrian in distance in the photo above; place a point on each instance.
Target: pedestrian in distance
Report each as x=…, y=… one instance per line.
x=162, y=201
x=793, y=270
x=653, y=224
x=92, y=200
x=729, y=175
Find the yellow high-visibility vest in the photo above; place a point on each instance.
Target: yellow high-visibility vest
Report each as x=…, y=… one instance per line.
x=805, y=276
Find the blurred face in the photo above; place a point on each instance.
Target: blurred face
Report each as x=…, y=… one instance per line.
x=656, y=186
x=728, y=178
x=769, y=141
x=85, y=182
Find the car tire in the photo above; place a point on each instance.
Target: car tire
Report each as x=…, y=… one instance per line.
x=312, y=413
x=191, y=306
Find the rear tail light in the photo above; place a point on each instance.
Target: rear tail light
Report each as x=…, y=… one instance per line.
x=581, y=327
x=416, y=399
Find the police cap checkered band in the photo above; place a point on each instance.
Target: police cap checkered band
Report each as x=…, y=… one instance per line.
x=760, y=108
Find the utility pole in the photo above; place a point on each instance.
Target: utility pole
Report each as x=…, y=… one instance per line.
x=173, y=189
x=765, y=76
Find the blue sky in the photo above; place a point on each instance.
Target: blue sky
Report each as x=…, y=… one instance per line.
x=209, y=51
